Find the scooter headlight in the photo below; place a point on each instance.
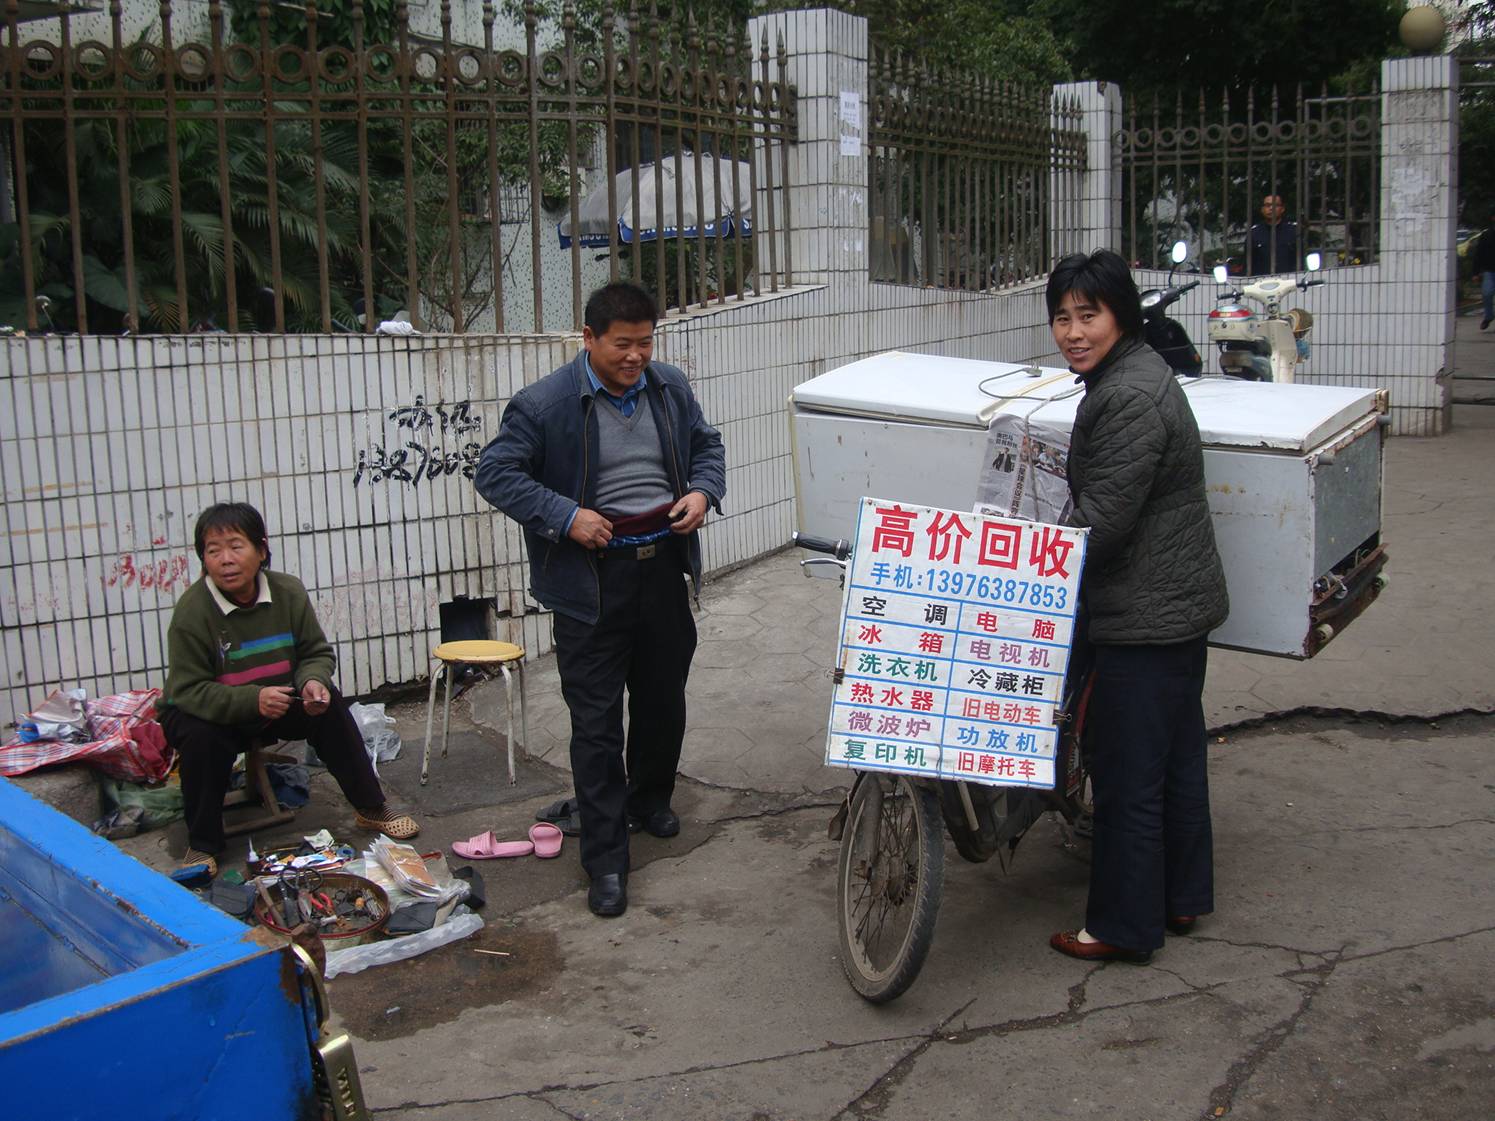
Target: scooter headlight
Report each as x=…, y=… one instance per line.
x=1150, y=297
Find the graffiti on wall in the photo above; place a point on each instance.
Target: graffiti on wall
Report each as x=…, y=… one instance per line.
x=164, y=574
x=425, y=455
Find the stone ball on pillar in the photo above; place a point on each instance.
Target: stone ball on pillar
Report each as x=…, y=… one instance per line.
x=1422, y=28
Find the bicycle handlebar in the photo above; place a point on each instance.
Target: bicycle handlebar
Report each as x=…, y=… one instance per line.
x=838, y=548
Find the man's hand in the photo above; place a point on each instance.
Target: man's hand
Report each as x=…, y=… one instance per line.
x=275, y=701
x=315, y=698
x=688, y=514
x=590, y=529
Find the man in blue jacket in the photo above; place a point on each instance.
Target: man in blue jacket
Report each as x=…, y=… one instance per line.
x=609, y=466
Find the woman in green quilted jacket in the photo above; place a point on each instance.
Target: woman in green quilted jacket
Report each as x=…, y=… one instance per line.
x=1152, y=590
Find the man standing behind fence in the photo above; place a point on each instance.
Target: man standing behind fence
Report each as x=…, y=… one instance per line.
x=608, y=465
x=1484, y=268
x=1273, y=244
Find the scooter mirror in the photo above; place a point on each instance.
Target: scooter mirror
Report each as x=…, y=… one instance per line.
x=1180, y=251
x=1222, y=274
x=1314, y=262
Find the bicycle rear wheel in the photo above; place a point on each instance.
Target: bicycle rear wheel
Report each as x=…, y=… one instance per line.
x=889, y=881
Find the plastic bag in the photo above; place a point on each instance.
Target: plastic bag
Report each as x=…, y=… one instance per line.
x=377, y=728
x=449, y=887
x=404, y=866
x=355, y=959
x=60, y=717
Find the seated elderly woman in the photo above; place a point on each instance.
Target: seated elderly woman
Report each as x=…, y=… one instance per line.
x=246, y=659
x=1152, y=590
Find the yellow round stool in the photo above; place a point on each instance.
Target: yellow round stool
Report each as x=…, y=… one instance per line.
x=487, y=656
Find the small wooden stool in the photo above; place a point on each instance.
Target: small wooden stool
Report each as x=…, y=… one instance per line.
x=486, y=656
x=257, y=788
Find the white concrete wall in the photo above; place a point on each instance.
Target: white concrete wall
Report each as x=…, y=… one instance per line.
x=111, y=447
x=1096, y=213
x=1410, y=327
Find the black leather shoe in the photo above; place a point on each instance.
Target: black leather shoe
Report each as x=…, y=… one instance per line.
x=660, y=823
x=608, y=895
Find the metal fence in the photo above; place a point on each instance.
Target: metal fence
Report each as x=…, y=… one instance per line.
x=294, y=174
x=962, y=179
x=1203, y=168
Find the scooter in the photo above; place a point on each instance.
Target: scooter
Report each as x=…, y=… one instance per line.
x=1267, y=347
x=1165, y=334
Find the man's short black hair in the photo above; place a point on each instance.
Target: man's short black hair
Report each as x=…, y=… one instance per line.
x=238, y=516
x=619, y=302
x=1101, y=277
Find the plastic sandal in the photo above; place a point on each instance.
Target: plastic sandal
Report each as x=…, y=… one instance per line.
x=486, y=846
x=546, y=839
x=192, y=859
x=397, y=827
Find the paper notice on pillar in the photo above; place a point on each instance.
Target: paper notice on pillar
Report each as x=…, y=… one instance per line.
x=851, y=123
x=1025, y=474
x=955, y=638
x=851, y=109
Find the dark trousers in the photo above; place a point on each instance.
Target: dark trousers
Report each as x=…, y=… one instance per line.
x=1153, y=848
x=208, y=751
x=643, y=640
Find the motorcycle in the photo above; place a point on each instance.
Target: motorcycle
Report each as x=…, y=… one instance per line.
x=1266, y=347
x=1164, y=333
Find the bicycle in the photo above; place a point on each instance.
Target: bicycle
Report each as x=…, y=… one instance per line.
x=890, y=871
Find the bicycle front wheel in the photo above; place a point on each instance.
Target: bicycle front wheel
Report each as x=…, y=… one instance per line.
x=889, y=881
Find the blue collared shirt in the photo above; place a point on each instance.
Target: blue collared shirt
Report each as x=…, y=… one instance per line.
x=624, y=404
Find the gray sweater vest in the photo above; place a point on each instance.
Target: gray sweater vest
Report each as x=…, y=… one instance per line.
x=631, y=475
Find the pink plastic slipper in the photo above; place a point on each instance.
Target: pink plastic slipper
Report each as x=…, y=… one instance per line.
x=546, y=839
x=485, y=846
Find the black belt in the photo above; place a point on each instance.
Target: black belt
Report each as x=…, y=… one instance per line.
x=636, y=552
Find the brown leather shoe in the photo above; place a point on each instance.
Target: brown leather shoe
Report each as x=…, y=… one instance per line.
x=1068, y=942
x=1180, y=924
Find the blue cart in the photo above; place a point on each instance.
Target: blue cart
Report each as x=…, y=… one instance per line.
x=124, y=995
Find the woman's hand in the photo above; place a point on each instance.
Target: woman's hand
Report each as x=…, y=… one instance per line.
x=315, y=697
x=275, y=701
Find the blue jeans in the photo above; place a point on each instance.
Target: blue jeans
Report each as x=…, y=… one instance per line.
x=1487, y=290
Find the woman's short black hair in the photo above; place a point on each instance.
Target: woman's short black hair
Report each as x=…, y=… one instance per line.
x=1101, y=277
x=619, y=302
x=238, y=516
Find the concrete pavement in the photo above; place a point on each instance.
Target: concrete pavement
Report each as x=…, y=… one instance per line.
x=1344, y=975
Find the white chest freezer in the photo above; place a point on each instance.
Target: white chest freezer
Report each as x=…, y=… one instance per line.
x=1293, y=473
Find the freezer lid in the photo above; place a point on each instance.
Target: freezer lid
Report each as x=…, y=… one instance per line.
x=964, y=392
x=928, y=388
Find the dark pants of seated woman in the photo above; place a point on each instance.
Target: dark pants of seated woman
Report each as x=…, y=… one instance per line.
x=208, y=751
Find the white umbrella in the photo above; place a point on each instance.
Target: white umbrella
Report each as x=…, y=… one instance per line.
x=655, y=179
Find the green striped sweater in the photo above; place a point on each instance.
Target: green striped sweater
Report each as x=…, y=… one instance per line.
x=217, y=663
